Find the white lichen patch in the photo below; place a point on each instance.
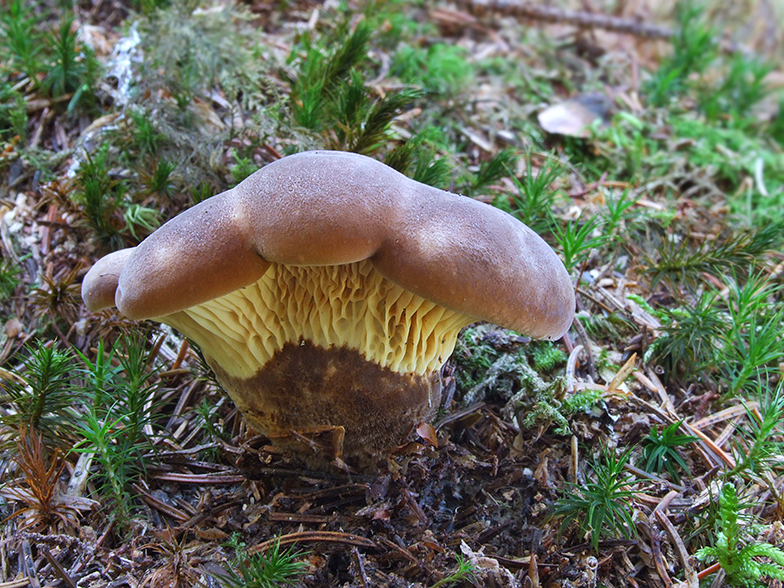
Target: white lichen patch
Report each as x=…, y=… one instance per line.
x=348, y=305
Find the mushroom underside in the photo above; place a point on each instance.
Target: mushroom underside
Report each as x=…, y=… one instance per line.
x=309, y=349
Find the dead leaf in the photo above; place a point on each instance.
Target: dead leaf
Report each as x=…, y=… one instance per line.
x=574, y=117
x=428, y=433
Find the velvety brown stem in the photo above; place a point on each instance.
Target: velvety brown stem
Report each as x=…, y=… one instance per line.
x=307, y=389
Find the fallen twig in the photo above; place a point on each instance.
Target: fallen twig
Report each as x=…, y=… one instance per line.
x=683, y=555
x=306, y=536
x=58, y=569
x=160, y=506
x=557, y=15
x=200, y=478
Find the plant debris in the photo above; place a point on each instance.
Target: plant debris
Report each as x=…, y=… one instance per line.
x=642, y=449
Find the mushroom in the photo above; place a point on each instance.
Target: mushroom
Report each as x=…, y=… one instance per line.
x=327, y=290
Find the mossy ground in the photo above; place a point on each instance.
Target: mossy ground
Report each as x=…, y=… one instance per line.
x=124, y=463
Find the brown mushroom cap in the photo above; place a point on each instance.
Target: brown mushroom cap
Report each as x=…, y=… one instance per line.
x=100, y=285
x=327, y=290
x=332, y=208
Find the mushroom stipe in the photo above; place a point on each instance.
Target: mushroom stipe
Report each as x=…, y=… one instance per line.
x=309, y=389
x=327, y=291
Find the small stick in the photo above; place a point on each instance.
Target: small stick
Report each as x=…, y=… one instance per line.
x=665, y=502
x=581, y=332
x=658, y=558
x=577, y=18
x=688, y=570
x=360, y=567
x=589, y=20
x=58, y=569
x=332, y=536
x=708, y=442
x=575, y=465
x=711, y=569
x=413, y=505
x=160, y=506
x=16, y=583
x=643, y=474
x=200, y=478
x=571, y=365
x=29, y=564
x=723, y=415
x=180, y=356
x=532, y=579
x=622, y=373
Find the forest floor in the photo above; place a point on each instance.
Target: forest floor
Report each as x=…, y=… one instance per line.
x=643, y=141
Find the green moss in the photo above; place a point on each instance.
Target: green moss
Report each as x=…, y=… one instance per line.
x=547, y=356
x=438, y=68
